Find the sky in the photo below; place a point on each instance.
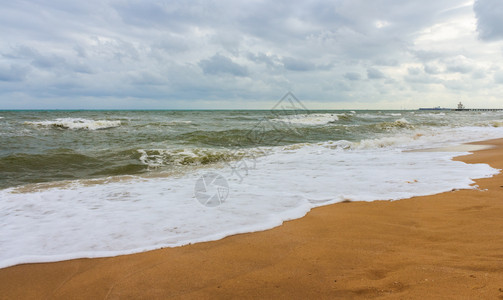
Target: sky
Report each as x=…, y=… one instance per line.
x=339, y=54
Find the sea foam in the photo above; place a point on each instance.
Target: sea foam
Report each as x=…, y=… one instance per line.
x=115, y=217
x=309, y=119
x=77, y=123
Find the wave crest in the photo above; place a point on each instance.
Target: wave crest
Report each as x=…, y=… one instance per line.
x=494, y=123
x=76, y=123
x=400, y=123
x=182, y=157
x=312, y=119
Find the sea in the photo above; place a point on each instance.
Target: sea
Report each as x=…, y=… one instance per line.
x=97, y=183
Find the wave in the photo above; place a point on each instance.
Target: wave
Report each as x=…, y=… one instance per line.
x=76, y=123
x=63, y=164
x=438, y=114
x=139, y=214
x=415, y=139
x=370, y=116
x=262, y=134
x=395, y=142
x=164, y=124
x=400, y=123
x=310, y=119
x=180, y=122
x=154, y=158
x=493, y=123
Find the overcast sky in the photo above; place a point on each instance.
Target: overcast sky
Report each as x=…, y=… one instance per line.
x=248, y=54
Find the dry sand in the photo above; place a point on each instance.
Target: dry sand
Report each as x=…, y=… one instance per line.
x=447, y=246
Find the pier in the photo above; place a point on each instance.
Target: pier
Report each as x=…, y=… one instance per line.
x=461, y=107
x=479, y=109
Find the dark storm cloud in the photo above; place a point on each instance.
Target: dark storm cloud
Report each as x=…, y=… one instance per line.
x=489, y=19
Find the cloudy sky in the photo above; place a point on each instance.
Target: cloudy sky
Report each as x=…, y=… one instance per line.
x=248, y=54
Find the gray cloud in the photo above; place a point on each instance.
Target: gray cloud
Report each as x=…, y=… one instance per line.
x=489, y=19
x=13, y=73
x=417, y=76
x=432, y=68
x=374, y=74
x=244, y=50
x=262, y=58
x=498, y=77
x=353, y=76
x=219, y=64
x=294, y=64
x=414, y=71
x=458, y=64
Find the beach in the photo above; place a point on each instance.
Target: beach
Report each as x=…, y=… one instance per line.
x=442, y=246
x=251, y=150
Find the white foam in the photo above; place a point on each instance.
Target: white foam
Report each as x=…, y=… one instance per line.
x=426, y=138
x=437, y=114
x=188, y=156
x=178, y=122
x=308, y=119
x=492, y=123
x=372, y=116
x=398, y=124
x=402, y=121
x=121, y=217
x=77, y=123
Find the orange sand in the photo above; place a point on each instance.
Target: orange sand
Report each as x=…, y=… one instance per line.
x=447, y=246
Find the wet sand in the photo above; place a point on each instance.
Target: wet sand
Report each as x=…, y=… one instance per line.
x=447, y=246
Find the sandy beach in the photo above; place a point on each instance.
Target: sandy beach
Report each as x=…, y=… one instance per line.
x=447, y=246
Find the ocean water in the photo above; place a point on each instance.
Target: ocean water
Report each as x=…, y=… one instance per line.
x=101, y=183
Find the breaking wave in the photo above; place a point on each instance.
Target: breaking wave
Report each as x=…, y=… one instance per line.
x=400, y=123
x=494, y=123
x=154, y=158
x=311, y=119
x=76, y=123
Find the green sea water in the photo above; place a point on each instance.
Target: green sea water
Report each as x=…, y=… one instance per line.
x=42, y=146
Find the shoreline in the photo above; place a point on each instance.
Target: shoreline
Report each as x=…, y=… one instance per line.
x=443, y=245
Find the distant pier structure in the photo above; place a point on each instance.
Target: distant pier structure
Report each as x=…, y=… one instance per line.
x=461, y=107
